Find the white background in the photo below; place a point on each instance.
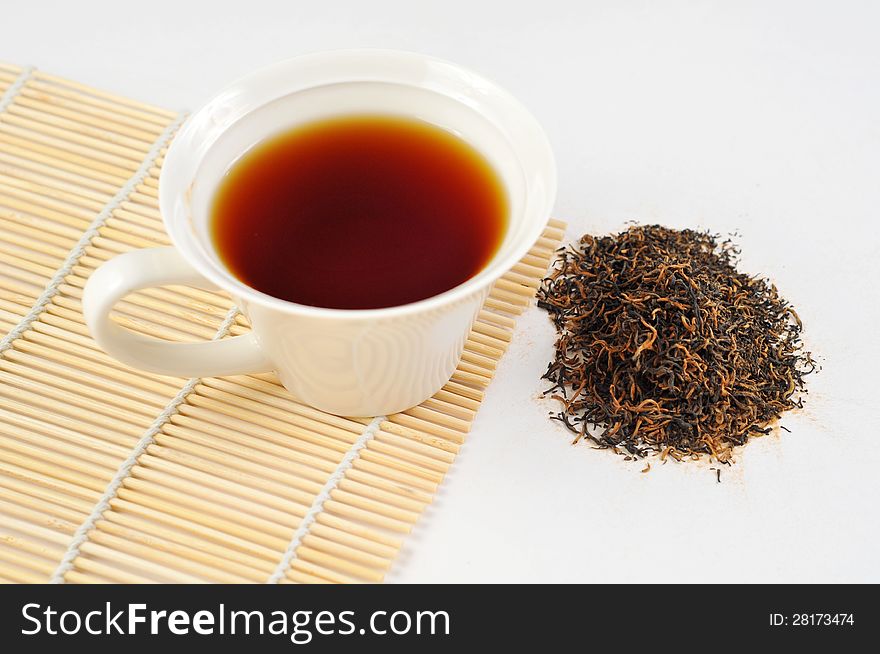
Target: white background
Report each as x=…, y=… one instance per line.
x=762, y=117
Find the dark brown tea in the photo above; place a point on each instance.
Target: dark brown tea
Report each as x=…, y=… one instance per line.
x=359, y=212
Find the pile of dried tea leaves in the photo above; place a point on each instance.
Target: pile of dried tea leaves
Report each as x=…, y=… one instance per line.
x=664, y=347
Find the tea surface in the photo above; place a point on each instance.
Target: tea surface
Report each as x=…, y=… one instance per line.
x=359, y=212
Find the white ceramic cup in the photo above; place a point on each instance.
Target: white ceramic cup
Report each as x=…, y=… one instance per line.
x=348, y=362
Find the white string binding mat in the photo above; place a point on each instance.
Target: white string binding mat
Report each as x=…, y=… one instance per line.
x=16, y=87
x=77, y=252
x=318, y=503
x=82, y=533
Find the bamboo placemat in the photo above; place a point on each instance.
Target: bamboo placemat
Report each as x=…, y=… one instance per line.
x=109, y=474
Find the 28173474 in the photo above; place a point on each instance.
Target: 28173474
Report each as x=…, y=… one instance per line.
x=812, y=620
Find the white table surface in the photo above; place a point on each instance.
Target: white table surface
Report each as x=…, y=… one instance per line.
x=762, y=117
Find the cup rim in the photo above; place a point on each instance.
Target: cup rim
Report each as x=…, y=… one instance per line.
x=189, y=147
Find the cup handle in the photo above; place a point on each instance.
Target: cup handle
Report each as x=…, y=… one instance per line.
x=159, y=267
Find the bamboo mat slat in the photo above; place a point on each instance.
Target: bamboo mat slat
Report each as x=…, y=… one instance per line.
x=109, y=474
